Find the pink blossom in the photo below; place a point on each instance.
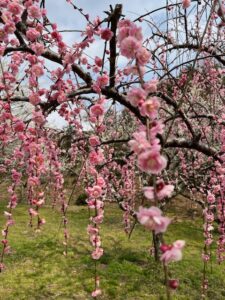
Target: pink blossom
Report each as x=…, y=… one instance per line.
x=32, y=34
x=38, y=117
x=162, y=190
x=96, y=110
x=211, y=198
x=37, y=70
x=92, y=230
x=42, y=221
x=124, y=23
x=151, y=86
x=9, y=27
x=136, y=32
x=174, y=253
x=96, y=293
x=128, y=28
x=151, y=161
x=94, y=141
x=129, y=47
x=106, y=34
x=139, y=143
x=38, y=48
x=19, y=126
x=40, y=202
x=33, y=181
x=96, y=157
x=150, y=108
x=136, y=96
x=152, y=219
x=4, y=3
x=34, y=12
x=4, y=242
x=97, y=253
x=156, y=128
x=95, y=191
x=16, y=176
x=186, y=3
x=98, y=219
x=15, y=8
x=33, y=212
x=95, y=240
x=143, y=56
x=102, y=80
x=91, y=171
x=61, y=97
x=98, y=61
x=101, y=181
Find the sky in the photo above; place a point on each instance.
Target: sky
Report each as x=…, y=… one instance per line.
x=61, y=10
x=63, y=14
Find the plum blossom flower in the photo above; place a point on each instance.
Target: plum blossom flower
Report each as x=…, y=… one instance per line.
x=97, y=253
x=186, y=3
x=94, y=191
x=173, y=253
x=128, y=28
x=151, y=161
x=156, y=128
x=33, y=181
x=38, y=117
x=96, y=157
x=143, y=56
x=136, y=95
x=102, y=80
x=38, y=48
x=152, y=219
x=96, y=110
x=162, y=190
x=95, y=240
x=34, y=98
x=99, y=218
x=4, y=3
x=96, y=293
x=37, y=70
x=33, y=212
x=16, y=176
x=139, y=143
x=19, y=126
x=101, y=181
x=151, y=86
x=94, y=141
x=106, y=34
x=210, y=198
x=129, y=47
x=92, y=230
x=15, y=8
x=34, y=12
x=150, y=108
x=32, y=34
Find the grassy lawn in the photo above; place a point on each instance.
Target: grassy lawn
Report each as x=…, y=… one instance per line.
x=36, y=268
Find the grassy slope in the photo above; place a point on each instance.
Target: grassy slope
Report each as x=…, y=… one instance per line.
x=37, y=269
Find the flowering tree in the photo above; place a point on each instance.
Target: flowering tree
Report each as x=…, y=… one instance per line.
x=144, y=114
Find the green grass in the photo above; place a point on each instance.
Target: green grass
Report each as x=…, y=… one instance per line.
x=37, y=269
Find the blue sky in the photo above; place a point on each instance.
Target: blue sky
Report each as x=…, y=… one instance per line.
x=61, y=11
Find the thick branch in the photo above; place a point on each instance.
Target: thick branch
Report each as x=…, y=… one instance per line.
x=114, y=21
